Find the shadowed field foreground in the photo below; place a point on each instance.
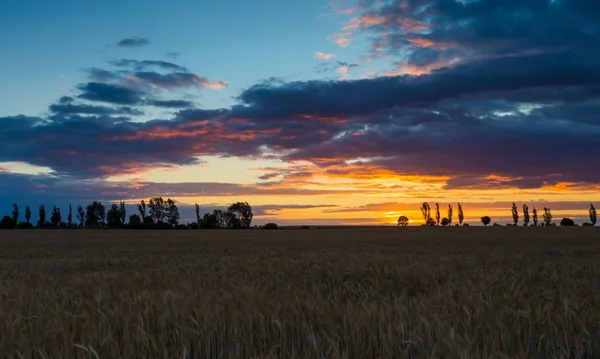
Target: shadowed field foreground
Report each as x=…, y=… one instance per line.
x=335, y=293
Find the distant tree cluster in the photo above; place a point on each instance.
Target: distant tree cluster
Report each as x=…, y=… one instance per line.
x=437, y=220
x=403, y=221
x=157, y=213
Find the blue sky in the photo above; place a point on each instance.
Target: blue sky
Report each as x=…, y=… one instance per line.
x=483, y=102
x=49, y=43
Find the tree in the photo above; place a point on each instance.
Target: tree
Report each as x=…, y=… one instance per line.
x=172, y=212
x=534, y=217
x=70, y=216
x=437, y=214
x=425, y=211
x=113, y=216
x=214, y=220
x=42, y=214
x=122, y=212
x=486, y=220
x=445, y=222
x=28, y=214
x=15, y=213
x=567, y=222
x=157, y=209
x=271, y=226
x=242, y=214
x=449, y=215
x=197, y=214
x=515, y=214
x=80, y=215
x=135, y=220
x=461, y=216
x=55, y=218
x=403, y=221
x=547, y=216
x=525, y=215
x=431, y=222
x=142, y=210
x=94, y=214
x=592, y=214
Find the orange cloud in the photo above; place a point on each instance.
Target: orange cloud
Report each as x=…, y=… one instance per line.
x=365, y=21
x=323, y=55
x=342, y=38
x=218, y=85
x=412, y=25
x=406, y=68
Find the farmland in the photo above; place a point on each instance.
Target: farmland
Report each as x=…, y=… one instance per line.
x=510, y=292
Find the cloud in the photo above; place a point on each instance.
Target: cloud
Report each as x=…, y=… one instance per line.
x=94, y=91
x=171, y=103
x=175, y=80
x=133, y=42
x=323, y=55
x=141, y=65
x=68, y=108
x=173, y=55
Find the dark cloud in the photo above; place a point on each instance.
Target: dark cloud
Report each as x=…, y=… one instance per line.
x=518, y=108
x=141, y=65
x=95, y=91
x=171, y=103
x=171, y=80
x=101, y=75
x=68, y=109
x=133, y=42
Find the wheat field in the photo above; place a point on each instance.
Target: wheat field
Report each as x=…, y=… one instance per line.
x=317, y=293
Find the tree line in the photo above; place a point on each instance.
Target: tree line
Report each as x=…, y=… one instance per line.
x=437, y=220
x=157, y=213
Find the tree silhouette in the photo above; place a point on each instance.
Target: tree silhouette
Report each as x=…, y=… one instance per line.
x=437, y=214
x=55, y=218
x=172, y=212
x=80, y=215
x=197, y=214
x=70, y=216
x=157, y=209
x=486, y=220
x=534, y=217
x=449, y=215
x=461, y=215
x=515, y=214
x=525, y=215
x=425, y=211
x=403, y=221
x=15, y=213
x=242, y=214
x=142, y=210
x=135, y=220
x=28, y=214
x=42, y=215
x=445, y=222
x=113, y=216
x=592, y=214
x=547, y=216
x=122, y=212
x=94, y=214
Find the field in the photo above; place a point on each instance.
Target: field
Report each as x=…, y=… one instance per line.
x=330, y=293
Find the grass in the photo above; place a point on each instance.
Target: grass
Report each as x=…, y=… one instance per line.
x=330, y=293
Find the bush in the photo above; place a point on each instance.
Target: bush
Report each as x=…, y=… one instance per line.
x=305, y=227
x=567, y=222
x=24, y=225
x=466, y=225
x=587, y=224
x=271, y=226
x=7, y=223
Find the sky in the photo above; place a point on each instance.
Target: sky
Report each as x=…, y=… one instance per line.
x=339, y=112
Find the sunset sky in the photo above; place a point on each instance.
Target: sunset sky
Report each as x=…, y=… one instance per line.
x=315, y=112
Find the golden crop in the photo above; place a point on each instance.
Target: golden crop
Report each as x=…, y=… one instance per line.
x=320, y=293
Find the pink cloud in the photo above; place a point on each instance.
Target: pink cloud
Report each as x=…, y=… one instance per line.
x=323, y=55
